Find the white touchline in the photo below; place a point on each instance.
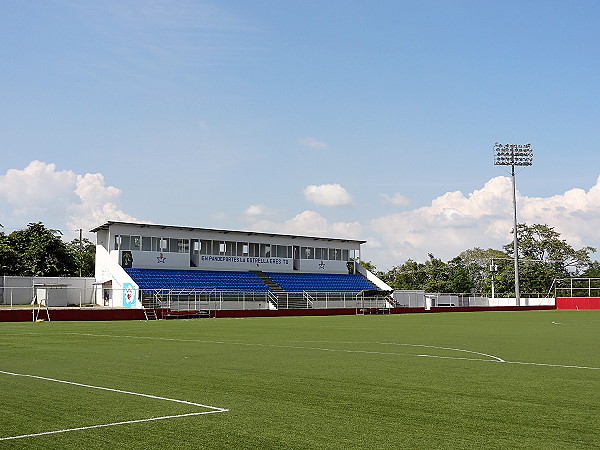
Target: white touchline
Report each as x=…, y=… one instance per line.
x=213, y=409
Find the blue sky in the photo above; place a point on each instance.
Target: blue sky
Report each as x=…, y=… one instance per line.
x=366, y=119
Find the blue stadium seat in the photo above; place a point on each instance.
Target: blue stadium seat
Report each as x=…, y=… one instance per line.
x=197, y=280
x=321, y=282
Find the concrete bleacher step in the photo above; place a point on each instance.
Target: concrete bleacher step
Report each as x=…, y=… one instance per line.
x=268, y=281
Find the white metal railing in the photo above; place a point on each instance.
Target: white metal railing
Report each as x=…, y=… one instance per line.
x=576, y=287
x=214, y=299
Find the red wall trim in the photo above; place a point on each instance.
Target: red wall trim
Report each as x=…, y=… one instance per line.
x=60, y=314
x=578, y=303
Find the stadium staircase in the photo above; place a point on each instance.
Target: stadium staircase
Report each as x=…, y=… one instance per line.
x=285, y=300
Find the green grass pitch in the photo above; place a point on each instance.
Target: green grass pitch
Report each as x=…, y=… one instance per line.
x=489, y=380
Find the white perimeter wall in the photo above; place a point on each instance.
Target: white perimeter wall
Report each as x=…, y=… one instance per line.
x=72, y=290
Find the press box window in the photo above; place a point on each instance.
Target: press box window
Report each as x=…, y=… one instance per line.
x=282, y=251
x=135, y=243
x=230, y=248
x=265, y=250
x=242, y=249
x=205, y=247
x=254, y=249
x=146, y=244
x=122, y=242
x=164, y=245
x=307, y=253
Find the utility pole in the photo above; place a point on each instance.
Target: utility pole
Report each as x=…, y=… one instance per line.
x=80, y=251
x=493, y=270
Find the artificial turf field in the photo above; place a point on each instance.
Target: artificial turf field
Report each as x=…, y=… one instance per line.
x=528, y=379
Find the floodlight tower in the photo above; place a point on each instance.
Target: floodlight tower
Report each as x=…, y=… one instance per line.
x=514, y=155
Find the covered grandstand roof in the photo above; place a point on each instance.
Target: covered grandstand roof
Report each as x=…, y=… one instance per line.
x=106, y=226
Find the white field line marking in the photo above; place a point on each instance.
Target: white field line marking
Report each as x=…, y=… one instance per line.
x=425, y=346
x=445, y=348
x=248, y=344
x=515, y=362
x=495, y=358
x=213, y=409
x=107, y=425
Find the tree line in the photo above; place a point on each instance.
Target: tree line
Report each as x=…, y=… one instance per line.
x=543, y=257
x=38, y=251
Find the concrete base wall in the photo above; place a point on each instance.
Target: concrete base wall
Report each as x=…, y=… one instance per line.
x=99, y=313
x=578, y=303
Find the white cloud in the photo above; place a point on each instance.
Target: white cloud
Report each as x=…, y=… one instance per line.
x=455, y=222
x=327, y=195
x=39, y=192
x=575, y=214
x=256, y=211
x=311, y=223
x=313, y=142
x=397, y=199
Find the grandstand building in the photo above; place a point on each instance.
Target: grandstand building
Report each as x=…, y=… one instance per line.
x=185, y=268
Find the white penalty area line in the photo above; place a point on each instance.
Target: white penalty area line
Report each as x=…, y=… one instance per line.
x=213, y=409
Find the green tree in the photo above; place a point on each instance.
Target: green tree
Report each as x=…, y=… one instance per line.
x=478, y=261
x=84, y=252
x=463, y=277
x=369, y=266
x=541, y=243
x=437, y=275
x=544, y=256
x=37, y=251
x=410, y=275
x=8, y=256
x=593, y=270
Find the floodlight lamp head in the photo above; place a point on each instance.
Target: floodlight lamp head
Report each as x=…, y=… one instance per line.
x=513, y=154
